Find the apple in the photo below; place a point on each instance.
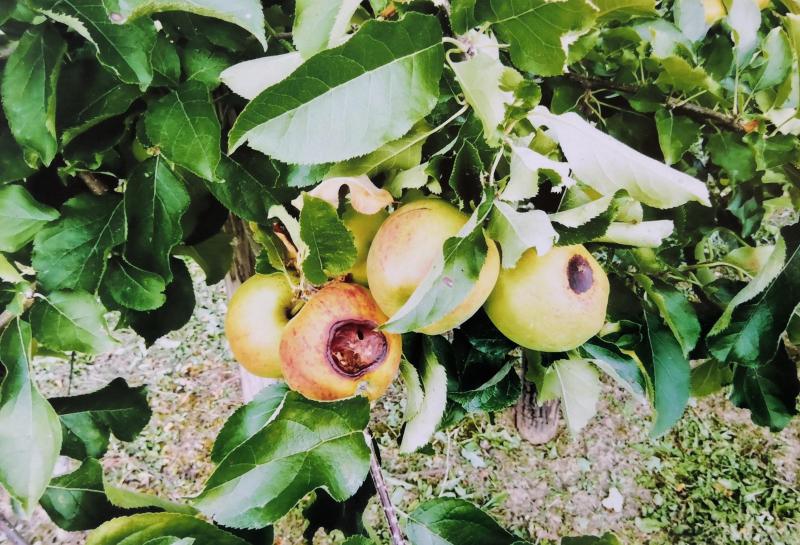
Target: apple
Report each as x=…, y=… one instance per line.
x=257, y=315
x=406, y=247
x=333, y=348
x=363, y=227
x=714, y=11
x=550, y=303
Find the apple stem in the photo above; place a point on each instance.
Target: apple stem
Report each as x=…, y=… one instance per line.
x=383, y=492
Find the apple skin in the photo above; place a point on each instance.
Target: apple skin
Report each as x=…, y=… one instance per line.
x=257, y=315
x=551, y=303
x=364, y=227
x=405, y=248
x=339, y=317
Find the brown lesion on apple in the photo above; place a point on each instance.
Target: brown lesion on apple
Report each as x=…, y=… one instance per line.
x=579, y=274
x=355, y=347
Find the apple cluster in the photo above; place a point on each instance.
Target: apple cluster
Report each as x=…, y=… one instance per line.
x=334, y=347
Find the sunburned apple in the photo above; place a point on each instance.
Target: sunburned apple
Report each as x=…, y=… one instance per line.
x=333, y=348
x=405, y=248
x=551, y=303
x=363, y=227
x=257, y=315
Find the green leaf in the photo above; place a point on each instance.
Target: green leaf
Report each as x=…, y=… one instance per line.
x=30, y=435
x=645, y=234
x=577, y=384
x=744, y=20
x=517, y=232
x=29, y=92
x=462, y=15
x=331, y=247
x=429, y=410
x=12, y=159
x=320, y=24
x=307, y=445
x=754, y=333
x=8, y=272
x=621, y=367
x=670, y=372
x=247, y=14
x=607, y=165
x=675, y=134
x=400, y=154
x=155, y=200
x=450, y=521
x=71, y=253
x=450, y=278
x=676, y=73
x=71, y=320
x=769, y=390
x=768, y=273
x=132, y=287
x=77, y=501
x=710, y=377
x=124, y=49
x=675, y=310
x=306, y=117
x=537, y=30
x=214, y=255
x=174, y=314
x=728, y=152
x=141, y=529
x=606, y=539
x=203, y=65
x=130, y=499
x=185, y=128
x=22, y=217
x=166, y=62
x=479, y=77
x=586, y=222
x=777, y=52
x=88, y=420
x=246, y=196
x=525, y=166
x=248, y=420
x=620, y=10
x=89, y=94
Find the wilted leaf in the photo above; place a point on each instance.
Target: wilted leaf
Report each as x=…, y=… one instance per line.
x=249, y=78
x=364, y=196
x=517, y=232
x=607, y=165
x=320, y=24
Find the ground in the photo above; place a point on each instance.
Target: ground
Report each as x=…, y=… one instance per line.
x=716, y=479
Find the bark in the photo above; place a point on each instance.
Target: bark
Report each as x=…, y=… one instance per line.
x=242, y=268
x=537, y=423
x=383, y=492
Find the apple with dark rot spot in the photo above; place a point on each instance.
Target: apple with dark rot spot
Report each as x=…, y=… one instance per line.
x=550, y=303
x=333, y=348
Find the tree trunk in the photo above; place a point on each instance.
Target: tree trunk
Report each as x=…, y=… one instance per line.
x=242, y=268
x=536, y=423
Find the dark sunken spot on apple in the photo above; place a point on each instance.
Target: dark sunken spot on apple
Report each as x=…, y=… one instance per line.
x=579, y=274
x=355, y=346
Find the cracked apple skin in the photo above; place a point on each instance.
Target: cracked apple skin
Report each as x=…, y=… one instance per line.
x=364, y=227
x=405, y=248
x=332, y=349
x=551, y=303
x=257, y=315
